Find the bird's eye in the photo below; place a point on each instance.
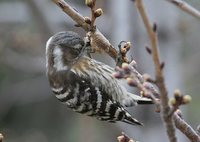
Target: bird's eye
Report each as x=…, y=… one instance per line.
x=75, y=51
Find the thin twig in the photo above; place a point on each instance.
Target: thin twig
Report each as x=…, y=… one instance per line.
x=140, y=85
x=186, y=128
x=186, y=7
x=159, y=72
x=125, y=138
x=93, y=18
x=134, y=79
x=99, y=38
x=77, y=17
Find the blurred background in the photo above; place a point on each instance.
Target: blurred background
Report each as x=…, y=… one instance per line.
x=28, y=109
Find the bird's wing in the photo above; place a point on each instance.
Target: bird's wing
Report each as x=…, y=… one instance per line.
x=100, y=75
x=95, y=101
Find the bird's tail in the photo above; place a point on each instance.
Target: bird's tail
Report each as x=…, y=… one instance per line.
x=132, y=100
x=141, y=100
x=130, y=120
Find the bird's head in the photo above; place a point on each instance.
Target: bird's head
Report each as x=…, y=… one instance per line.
x=63, y=49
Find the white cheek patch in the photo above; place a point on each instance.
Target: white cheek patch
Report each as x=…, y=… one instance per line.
x=47, y=49
x=58, y=59
x=48, y=42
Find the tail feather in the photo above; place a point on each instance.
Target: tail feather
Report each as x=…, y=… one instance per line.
x=130, y=120
x=144, y=101
x=133, y=100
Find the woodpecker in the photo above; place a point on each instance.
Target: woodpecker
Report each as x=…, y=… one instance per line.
x=84, y=84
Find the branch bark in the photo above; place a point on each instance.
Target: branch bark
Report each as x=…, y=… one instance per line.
x=77, y=17
x=186, y=7
x=185, y=128
x=165, y=108
x=99, y=39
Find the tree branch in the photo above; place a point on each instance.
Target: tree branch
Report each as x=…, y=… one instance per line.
x=185, y=128
x=159, y=72
x=98, y=38
x=77, y=17
x=186, y=7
